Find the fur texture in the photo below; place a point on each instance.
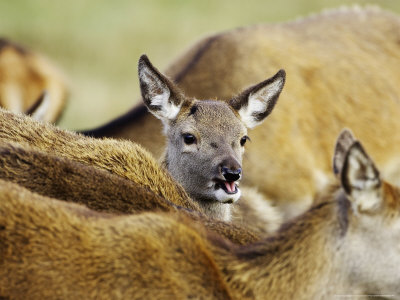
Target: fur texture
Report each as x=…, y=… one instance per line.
x=97, y=256
x=50, y=159
x=51, y=249
x=68, y=180
x=65, y=179
x=122, y=158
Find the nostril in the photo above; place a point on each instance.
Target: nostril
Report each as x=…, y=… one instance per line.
x=224, y=170
x=231, y=175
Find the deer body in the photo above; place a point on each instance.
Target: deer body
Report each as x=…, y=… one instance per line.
x=95, y=256
x=24, y=76
x=340, y=63
x=64, y=179
x=347, y=244
x=122, y=158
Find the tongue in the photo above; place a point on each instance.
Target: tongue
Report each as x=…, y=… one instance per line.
x=230, y=186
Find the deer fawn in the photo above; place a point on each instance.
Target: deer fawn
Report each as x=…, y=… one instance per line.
x=24, y=75
x=340, y=63
x=347, y=244
x=205, y=139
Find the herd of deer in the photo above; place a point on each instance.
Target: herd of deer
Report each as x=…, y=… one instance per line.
x=94, y=215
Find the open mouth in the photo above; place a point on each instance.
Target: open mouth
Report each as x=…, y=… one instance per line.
x=229, y=187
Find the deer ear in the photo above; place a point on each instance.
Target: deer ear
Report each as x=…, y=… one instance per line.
x=257, y=102
x=39, y=109
x=343, y=143
x=360, y=180
x=160, y=95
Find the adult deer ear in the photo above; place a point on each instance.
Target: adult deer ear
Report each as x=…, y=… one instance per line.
x=160, y=95
x=360, y=180
x=257, y=102
x=343, y=143
x=39, y=109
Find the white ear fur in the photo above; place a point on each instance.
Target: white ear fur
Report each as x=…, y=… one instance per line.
x=361, y=179
x=156, y=94
x=261, y=101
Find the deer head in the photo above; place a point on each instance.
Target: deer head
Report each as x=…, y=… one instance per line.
x=373, y=232
x=206, y=139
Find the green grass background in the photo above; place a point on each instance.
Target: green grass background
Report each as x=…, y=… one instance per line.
x=97, y=42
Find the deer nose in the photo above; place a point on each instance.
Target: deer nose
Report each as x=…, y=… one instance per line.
x=231, y=175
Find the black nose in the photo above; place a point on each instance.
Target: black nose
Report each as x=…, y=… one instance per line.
x=231, y=175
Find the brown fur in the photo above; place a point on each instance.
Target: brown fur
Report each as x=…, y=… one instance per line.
x=119, y=257
x=343, y=70
x=94, y=256
x=122, y=158
x=52, y=249
x=68, y=180
x=62, y=178
x=24, y=75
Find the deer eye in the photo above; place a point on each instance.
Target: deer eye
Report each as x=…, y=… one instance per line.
x=189, y=139
x=243, y=140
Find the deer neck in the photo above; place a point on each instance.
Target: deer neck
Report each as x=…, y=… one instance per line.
x=302, y=261
x=216, y=210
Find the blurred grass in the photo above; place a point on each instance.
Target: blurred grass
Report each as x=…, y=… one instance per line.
x=97, y=42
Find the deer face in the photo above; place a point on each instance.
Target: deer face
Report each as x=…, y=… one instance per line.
x=205, y=139
x=373, y=234
x=205, y=148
